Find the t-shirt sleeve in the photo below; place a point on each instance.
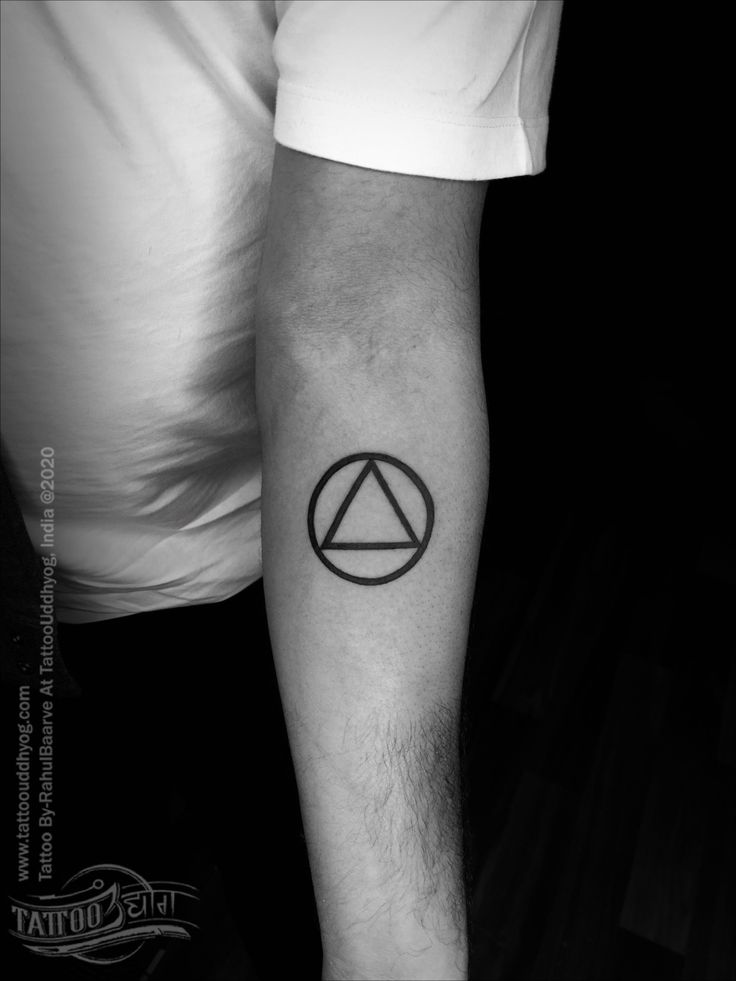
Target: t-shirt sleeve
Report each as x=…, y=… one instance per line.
x=456, y=89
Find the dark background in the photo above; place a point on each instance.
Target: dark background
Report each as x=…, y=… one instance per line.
x=601, y=683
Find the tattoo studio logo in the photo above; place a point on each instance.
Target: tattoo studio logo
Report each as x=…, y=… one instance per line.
x=370, y=518
x=103, y=915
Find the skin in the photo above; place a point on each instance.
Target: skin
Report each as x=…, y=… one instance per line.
x=367, y=343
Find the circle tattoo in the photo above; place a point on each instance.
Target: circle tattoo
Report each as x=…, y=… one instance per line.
x=373, y=516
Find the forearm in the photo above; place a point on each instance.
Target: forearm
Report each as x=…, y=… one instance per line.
x=371, y=672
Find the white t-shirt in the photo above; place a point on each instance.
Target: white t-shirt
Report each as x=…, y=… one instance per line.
x=137, y=143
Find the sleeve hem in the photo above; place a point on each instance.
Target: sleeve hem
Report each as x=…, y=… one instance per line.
x=355, y=132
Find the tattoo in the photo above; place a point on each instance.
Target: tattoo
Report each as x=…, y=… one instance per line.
x=375, y=513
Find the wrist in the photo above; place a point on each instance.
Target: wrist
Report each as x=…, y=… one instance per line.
x=434, y=963
x=389, y=946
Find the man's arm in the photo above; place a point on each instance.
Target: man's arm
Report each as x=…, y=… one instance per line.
x=374, y=429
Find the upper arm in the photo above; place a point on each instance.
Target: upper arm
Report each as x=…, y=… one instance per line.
x=370, y=96
x=347, y=242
